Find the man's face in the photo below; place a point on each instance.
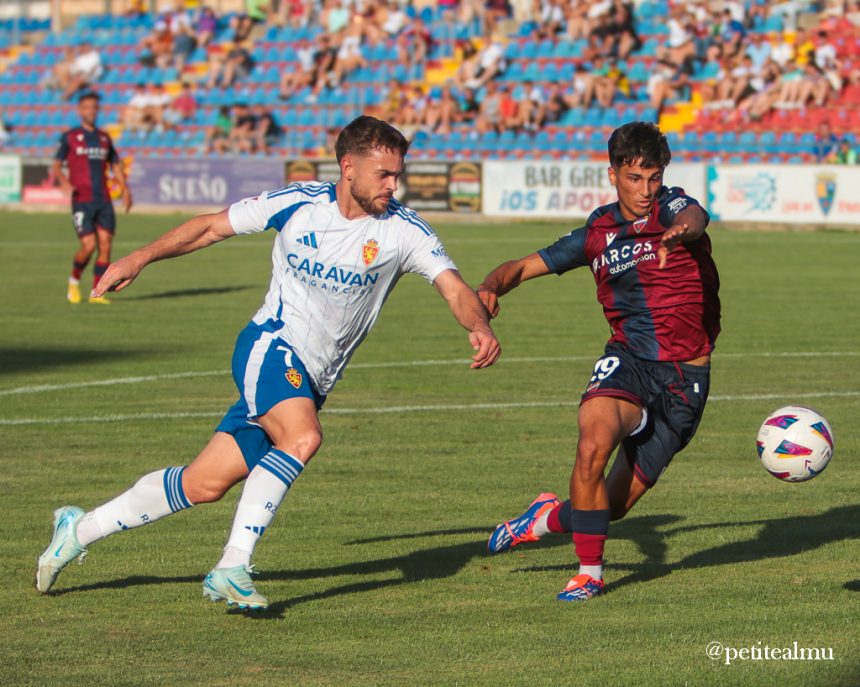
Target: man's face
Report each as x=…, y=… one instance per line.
x=373, y=178
x=88, y=110
x=637, y=187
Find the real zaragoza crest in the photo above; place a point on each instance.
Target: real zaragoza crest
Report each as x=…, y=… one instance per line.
x=369, y=251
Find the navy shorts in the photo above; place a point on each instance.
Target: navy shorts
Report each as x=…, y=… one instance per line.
x=97, y=213
x=266, y=371
x=672, y=396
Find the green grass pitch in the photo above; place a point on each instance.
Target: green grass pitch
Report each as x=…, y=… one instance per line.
x=376, y=564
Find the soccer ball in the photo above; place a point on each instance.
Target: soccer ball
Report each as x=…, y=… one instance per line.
x=795, y=443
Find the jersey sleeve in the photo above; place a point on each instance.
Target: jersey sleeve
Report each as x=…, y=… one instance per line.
x=63, y=149
x=425, y=254
x=250, y=215
x=112, y=156
x=673, y=201
x=567, y=253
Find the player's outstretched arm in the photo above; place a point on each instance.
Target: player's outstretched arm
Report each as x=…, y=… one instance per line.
x=688, y=225
x=508, y=276
x=470, y=313
x=119, y=174
x=196, y=233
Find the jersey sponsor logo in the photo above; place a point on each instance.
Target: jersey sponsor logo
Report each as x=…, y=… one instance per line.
x=336, y=274
x=610, y=236
x=630, y=253
x=308, y=240
x=639, y=224
x=369, y=251
x=294, y=377
x=677, y=204
x=92, y=153
x=439, y=252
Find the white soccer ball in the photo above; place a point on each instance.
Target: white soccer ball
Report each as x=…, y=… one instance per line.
x=795, y=443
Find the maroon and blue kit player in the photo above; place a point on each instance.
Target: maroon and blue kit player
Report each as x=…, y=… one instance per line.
x=658, y=285
x=87, y=152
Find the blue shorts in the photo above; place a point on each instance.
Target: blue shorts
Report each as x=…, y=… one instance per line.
x=95, y=214
x=266, y=371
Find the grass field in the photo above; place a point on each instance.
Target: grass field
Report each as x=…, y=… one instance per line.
x=376, y=563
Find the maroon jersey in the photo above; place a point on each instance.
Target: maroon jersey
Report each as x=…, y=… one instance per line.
x=671, y=314
x=87, y=153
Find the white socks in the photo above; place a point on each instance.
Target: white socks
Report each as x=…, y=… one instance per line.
x=152, y=497
x=540, y=528
x=265, y=488
x=596, y=571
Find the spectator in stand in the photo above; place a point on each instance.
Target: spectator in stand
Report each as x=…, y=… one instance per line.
x=413, y=109
x=182, y=109
x=614, y=34
x=531, y=108
x=242, y=134
x=442, y=113
x=81, y=69
x=846, y=154
x=826, y=143
x=470, y=107
x=228, y=68
x=293, y=80
x=550, y=18
x=218, y=135
x=4, y=131
x=325, y=58
x=137, y=113
x=681, y=42
x=555, y=106
x=241, y=25
x=334, y=17
x=348, y=57
x=207, y=26
x=494, y=12
x=732, y=33
x=158, y=46
x=582, y=87
x=578, y=23
x=490, y=114
x=487, y=64
x=266, y=130
x=183, y=34
x=605, y=80
x=414, y=43
x=508, y=109
x=759, y=49
x=663, y=84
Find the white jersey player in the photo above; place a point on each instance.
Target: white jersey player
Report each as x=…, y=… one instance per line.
x=338, y=252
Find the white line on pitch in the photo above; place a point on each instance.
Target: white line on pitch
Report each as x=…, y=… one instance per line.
x=386, y=410
x=38, y=388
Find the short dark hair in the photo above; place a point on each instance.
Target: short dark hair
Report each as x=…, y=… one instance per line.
x=639, y=141
x=366, y=133
x=89, y=95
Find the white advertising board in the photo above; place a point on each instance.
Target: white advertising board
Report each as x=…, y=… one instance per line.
x=544, y=188
x=797, y=194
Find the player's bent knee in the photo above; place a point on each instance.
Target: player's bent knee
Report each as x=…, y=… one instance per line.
x=205, y=491
x=302, y=446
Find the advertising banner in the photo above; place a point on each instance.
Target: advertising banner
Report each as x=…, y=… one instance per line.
x=797, y=194
x=545, y=188
x=39, y=187
x=216, y=182
x=424, y=186
x=10, y=178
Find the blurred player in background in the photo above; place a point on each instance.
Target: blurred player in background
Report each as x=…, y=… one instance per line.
x=651, y=260
x=88, y=151
x=338, y=252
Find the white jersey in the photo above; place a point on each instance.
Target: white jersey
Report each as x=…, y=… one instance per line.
x=331, y=275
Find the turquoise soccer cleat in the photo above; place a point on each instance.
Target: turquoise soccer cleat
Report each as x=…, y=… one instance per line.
x=234, y=586
x=63, y=549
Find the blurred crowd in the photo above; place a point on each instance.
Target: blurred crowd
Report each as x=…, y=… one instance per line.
x=711, y=52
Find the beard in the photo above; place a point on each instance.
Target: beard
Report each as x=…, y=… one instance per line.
x=367, y=202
